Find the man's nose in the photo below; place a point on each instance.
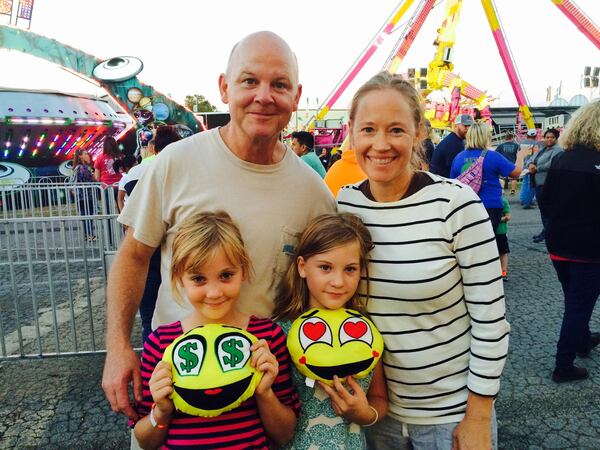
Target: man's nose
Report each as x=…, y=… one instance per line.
x=264, y=93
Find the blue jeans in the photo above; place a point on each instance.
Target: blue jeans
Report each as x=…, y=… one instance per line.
x=527, y=194
x=538, y=195
x=581, y=287
x=391, y=434
x=150, y=295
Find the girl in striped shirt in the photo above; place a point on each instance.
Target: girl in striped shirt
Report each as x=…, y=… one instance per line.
x=209, y=264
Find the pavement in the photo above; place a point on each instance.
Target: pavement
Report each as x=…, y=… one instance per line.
x=58, y=403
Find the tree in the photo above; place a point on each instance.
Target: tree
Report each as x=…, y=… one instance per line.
x=198, y=103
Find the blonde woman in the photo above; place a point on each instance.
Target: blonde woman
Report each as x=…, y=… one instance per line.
x=494, y=166
x=569, y=202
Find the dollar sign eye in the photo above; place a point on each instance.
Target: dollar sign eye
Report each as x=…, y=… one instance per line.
x=233, y=351
x=188, y=355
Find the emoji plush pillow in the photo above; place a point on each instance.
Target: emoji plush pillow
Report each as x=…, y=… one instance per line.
x=342, y=342
x=211, y=369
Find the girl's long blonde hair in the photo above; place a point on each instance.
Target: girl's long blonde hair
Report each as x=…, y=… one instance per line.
x=323, y=234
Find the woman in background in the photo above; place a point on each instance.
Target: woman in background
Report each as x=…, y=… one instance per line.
x=570, y=204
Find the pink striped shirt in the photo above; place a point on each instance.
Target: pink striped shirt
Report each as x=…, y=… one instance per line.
x=239, y=428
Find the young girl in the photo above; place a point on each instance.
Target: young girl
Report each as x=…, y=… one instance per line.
x=209, y=264
x=86, y=205
x=328, y=264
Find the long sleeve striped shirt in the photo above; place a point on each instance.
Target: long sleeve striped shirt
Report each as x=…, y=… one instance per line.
x=436, y=295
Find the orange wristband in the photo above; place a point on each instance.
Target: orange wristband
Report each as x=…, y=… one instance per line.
x=153, y=421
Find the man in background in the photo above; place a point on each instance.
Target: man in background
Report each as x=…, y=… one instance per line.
x=302, y=144
x=450, y=146
x=509, y=149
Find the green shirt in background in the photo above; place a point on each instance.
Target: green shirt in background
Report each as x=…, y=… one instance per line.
x=503, y=226
x=313, y=161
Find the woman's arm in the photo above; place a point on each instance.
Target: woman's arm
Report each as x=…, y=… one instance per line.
x=475, y=430
x=523, y=151
x=377, y=393
x=97, y=174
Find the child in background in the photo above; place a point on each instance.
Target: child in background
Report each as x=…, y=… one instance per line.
x=502, y=240
x=209, y=264
x=123, y=166
x=328, y=264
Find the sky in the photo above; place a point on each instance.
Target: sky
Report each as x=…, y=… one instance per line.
x=184, y=44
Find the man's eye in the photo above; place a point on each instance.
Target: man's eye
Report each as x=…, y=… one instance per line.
x=249, y=81
x=280, y=85
x=367, y=130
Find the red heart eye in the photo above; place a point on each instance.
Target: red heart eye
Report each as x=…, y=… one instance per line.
x=314, y=330
x=355, y=330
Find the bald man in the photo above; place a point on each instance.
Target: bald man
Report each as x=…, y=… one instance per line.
x=241, y=168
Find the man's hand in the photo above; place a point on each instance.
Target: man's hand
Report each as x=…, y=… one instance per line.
x=120, y=368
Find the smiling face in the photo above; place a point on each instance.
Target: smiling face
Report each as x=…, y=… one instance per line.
x=384, y=133
x=323, y=343
x=214, y=289
x=211, y=369
x=261, y=86
x=332, y=277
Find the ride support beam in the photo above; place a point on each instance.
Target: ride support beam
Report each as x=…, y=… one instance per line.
x=580, y=20
x=393, y=64
x=383, y=33
x=509, y=66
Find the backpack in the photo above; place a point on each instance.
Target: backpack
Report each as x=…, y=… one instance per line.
x=473, y=175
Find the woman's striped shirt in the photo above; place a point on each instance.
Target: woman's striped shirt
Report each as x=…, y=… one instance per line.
x=436, y=295
x=240, y=428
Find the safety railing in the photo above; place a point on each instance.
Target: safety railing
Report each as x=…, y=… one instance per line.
x=52, y=280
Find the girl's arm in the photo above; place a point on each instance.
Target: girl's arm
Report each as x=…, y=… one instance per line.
x=161, y=386
x=357, y=407
x=377, y=393
x=278, y=419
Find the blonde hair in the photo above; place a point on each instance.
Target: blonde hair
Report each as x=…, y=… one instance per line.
x=199, y=238
x=385, y=80
x=323, y=234
x=479, y=136
x=583, y=128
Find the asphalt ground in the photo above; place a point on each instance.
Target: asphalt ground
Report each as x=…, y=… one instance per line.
x=58, y=403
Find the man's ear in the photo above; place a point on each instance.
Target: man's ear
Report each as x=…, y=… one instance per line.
x=300, y=263
x=297, y=97
x=223, y=86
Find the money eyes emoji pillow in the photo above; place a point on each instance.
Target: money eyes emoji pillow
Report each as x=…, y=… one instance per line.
x=211, y=369
x=342, y=342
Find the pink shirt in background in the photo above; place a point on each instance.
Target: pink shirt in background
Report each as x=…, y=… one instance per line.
x=107, y=173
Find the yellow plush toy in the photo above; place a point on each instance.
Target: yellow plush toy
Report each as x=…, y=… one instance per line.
x=342, y=342
x=211, y=369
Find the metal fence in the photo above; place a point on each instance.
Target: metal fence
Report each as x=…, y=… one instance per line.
x=55, y=241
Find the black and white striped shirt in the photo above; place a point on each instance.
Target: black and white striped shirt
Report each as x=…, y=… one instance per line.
x=436, y=295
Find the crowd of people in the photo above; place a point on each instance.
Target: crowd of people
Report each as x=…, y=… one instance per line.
x=247, y=232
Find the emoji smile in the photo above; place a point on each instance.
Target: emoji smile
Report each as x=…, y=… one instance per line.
x=215, y=398
x=342, y=371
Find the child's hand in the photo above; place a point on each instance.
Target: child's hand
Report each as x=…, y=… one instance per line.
x=161, y=386
x=353, y=407
x=264, y=361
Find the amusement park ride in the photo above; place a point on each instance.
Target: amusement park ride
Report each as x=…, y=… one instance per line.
x=39, y=131
x=464, y=97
